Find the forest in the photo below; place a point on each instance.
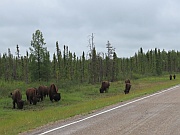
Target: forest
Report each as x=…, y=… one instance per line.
x=66, y=68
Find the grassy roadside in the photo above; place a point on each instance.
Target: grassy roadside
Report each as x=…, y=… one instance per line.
x=77, y=100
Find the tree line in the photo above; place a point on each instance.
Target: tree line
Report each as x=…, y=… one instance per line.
x=65, y=66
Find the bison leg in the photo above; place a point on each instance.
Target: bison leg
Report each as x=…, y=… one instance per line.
x=101, y=90
x=30, y=100
x=40, y=98
x=51, y=97
x=106, y=90
x=126, y=91
x=14, y=104
x=34, y=100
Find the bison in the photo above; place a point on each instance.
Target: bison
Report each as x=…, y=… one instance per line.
x=17, y=98
x=170, y=77
x=104, y=86
x=42, y=92
x=174, y=76
x=53, y=95
x=127, y=86
x=31, y=94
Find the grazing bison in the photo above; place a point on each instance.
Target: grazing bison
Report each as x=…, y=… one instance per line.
x=104, y=86
x=31, y=95
x=17, y=98
x=53, y=95
x=42, y=92
x=170, y=77
x=127, y=86
x=174, y=76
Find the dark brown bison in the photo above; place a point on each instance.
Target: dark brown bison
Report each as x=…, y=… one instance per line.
x=174, y=76
x=170, y=77
x=53, y=95
x=17, y=99
x=104, y=86
x=31, y=95
x=42, y=92
x=127, y=86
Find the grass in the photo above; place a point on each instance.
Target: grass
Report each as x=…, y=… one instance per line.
x=80, y=99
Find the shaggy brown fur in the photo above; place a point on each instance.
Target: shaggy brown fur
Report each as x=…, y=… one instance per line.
x=127, y=86
x=104, y=86
x=53, y=92
x=17, y=99
x=42, y=92
x=31, y=95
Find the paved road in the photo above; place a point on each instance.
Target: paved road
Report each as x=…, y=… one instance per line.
x=157, y=114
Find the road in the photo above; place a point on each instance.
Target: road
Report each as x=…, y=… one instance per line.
x=157, y=114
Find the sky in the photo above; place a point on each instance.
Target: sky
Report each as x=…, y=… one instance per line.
x=127, y=24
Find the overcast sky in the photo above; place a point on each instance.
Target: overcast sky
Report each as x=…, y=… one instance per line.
x=126, y=24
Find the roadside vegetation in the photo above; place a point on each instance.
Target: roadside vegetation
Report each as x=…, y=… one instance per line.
x=76, y=100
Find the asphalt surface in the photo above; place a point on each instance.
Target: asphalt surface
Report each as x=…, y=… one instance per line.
x=157, y=114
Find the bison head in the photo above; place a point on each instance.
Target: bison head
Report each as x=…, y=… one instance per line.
x=101, y=90
x=20, y=104
x=56, y=96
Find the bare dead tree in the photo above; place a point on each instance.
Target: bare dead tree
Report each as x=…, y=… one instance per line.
x=91, y=46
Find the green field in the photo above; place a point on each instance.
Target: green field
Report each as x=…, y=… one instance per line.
x=80, y=99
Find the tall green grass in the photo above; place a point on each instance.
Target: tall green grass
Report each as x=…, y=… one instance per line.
x=79, y=99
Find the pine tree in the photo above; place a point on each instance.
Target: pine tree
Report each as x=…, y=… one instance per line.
x=26, y=67
x=59, y=71
x=54, y=69
x=83, y=67
x=9, y=68
x=169, y=62
x=38, y=56
x=114, y=68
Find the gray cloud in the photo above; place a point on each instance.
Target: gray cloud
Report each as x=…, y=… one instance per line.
x=127, y=24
